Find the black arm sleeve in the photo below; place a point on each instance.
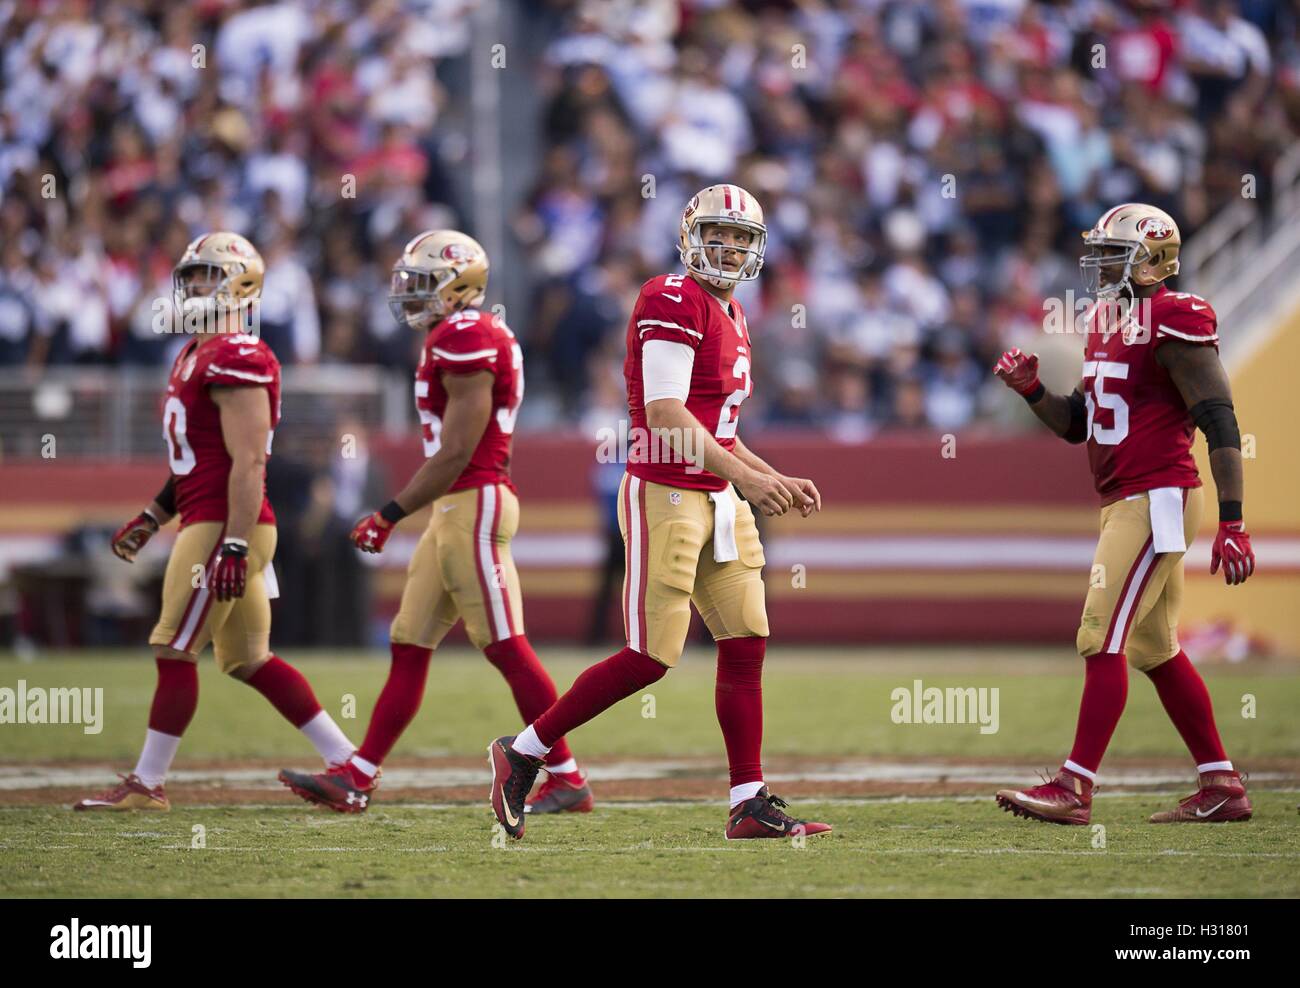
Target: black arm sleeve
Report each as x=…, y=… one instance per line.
x=166, y=498
x=1078, y=430
x=1216, y=418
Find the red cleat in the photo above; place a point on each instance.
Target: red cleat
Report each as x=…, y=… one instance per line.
x=1067, y=799
x=562, y=794
x=761, y=817
x=130, y=794
x=1220, y=799
x=339, y=788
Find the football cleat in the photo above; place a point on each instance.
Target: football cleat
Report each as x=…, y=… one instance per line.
x=568, y=793
x=129, y=794
x=761, y=816
x=513, y=776
x=1067, y=799
x=1221, y=798
x=338, y=788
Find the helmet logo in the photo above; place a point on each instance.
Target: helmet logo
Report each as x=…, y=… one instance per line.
x=455, y=252
x=234, y=248
x=1155, y=228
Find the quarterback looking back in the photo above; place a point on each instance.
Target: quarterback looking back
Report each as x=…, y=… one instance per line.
x=688, y=537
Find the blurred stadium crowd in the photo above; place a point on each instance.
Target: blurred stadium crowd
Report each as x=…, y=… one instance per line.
x=926, y=168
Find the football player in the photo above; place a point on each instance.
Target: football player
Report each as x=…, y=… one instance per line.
x=468, y=387
x=1151, y=375
x=688, y=537
x=222, y=405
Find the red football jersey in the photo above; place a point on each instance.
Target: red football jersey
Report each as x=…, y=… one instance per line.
x=463, y=343
x=677, y=308
x=1139, y=432
x=192, y=421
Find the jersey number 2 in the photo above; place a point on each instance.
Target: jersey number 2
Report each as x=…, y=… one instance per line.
x=729, y=417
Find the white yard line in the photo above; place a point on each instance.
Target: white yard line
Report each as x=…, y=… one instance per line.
x=29, y=777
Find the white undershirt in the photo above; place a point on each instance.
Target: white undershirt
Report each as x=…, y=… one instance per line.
x=666, y=369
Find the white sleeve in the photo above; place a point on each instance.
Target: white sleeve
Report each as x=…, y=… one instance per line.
x=666, y=369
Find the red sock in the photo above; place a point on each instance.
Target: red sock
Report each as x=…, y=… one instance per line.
x=176, y=696
x=287, y=689
x=398, y=701
x=738, y=698
x=531, y=684
x=1105, y=688
x=1187, y=701
x=597, y=689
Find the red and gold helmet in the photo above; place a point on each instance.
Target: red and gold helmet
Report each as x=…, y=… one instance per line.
x=218, y=272
x=439, y=272
x=1131, y=243
x=722, y=205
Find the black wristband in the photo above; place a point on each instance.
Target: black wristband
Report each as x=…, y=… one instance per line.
x=392, y=512
x=1035, y=396
x=1229, y=511
x=166, y=498
x=234, y=547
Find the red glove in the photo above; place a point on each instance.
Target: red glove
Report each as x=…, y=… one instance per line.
x=1232, y=549
x=1018, y=372
x=230, y=572
x=371, y=533
x=131, y=537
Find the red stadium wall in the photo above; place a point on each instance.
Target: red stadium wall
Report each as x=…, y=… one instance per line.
x=984, y=541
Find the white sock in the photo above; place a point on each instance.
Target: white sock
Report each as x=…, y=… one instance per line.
x=328, y=740
x=744, y=791
x=1078, y=769
x=156, y=757
x=526, y=743
x=369, y=768
x=1214, y=767
x=563, y=768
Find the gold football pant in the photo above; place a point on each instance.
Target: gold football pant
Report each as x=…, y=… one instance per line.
x=462, y=569
x=1135, y=594
x=240, y=629
x=668, y=545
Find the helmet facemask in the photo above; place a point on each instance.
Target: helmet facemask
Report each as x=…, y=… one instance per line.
x=203, y=290
x=696, y=254
x=419, y=299
x=1116, y=258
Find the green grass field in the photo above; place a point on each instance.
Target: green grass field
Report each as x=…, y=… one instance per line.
x=822, y=708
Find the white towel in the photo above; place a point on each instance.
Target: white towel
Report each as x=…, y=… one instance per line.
x=1166, y=506
x=272, y=584
x=724, y=525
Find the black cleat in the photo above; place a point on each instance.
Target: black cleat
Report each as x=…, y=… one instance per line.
x=513, y=776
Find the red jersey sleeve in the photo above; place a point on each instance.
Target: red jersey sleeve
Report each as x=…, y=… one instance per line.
x=665, y=312
x=468, y=348
x=1189, y=319
x=242, y=362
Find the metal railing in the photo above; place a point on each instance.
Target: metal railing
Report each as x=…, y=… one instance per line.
x=116, y=412
x=1238, y=259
